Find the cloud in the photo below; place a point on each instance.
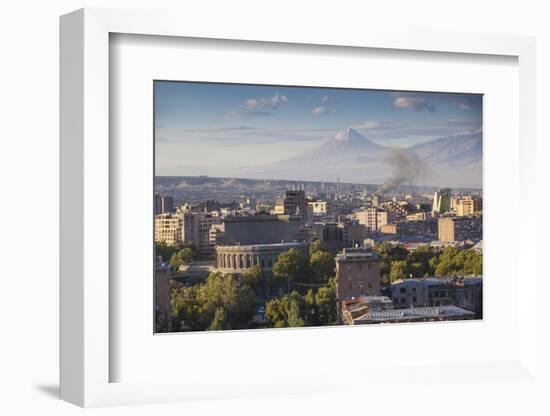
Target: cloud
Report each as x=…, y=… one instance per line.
x=247, y=113
x=431, y=101
x=325, y=98
x=414, y=103
x=265, y=102
x=258, y=107
x=319, y=110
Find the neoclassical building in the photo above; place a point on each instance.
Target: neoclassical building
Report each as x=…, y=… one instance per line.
x=240, y=258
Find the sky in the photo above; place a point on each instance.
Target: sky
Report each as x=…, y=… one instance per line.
x=235, y=125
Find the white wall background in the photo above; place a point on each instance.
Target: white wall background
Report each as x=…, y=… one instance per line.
x=29, y=175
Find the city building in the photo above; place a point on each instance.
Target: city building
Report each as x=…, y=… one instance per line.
x=278, y=209
x=357, y=273
x=216, y=234
x=417, y=228
x=295, y=203
x=415, y=314
x=196, y=230
x=338, y=235
x=163, y=204
x=459, y=228
x=354, y=308
x=442, y=201
x=373, y=219
x=168, y=229
x=262, y=229
x=469, y=295
x=419, y=216
x=320, y=208
x=468, y=206
x=240, y=258
x=465, y=292
x=388, y=229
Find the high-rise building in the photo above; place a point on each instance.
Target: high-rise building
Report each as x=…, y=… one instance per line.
x=357, y=273
x=468, y=206
x=373, y=219
x=196, y=229
x=442, y=201
x=157, y=204
x=295, y=203
x=163, y=204
x=168, y=229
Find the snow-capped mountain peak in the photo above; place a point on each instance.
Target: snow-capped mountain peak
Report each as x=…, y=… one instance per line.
x=349, y=135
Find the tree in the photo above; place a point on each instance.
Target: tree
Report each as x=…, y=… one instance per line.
x=455, y=262
x=254, y=278
x=473, y=263
x=315, y=247
x=387, y=254
x=186, y=311
x=294, y=319
x=322, y=265
x=184, y=256
x=398, y=270
x=326, y=305
x=290, y=265
x=166, y=251
x=219, y=321
x=285, y=311
x=222, y=302
x=238, y=300
x=418, y=261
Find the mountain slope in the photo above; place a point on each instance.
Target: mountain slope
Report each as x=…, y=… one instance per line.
x=348, y=155
x=454, y=161
x=451, y=151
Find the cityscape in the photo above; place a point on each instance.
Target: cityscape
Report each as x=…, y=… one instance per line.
x=278, y=207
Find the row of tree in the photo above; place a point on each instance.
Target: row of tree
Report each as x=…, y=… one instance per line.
x=396, y=262
x=316, y=307
x=177, y=254
x=221, y=302
x=296, y=267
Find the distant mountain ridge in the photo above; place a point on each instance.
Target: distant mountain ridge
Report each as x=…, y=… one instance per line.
x=447, y=161
x=453, y=161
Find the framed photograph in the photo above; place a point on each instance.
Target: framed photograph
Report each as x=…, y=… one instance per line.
x=300, y=214
x=238, y=209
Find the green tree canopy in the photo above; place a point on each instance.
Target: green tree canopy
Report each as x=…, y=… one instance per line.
x=184, y=256
x=316, y=246
x=219, y=322
x=398, y=270
x=456, y=262
x=326, y=305
x=322, y=265
x=285, y=311
x=290, y=266
x=166, y=251
x=222, y=302
x=254, y=278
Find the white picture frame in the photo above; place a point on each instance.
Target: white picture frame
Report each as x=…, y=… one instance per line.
x=85, y=349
